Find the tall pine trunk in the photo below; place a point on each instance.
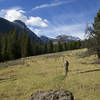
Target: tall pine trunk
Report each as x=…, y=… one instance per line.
x=98, y=54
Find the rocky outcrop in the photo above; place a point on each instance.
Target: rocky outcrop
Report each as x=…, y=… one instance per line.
x=52, y=95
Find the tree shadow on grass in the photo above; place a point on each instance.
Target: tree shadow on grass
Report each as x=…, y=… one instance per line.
x=90, y=71
x=6, y=79
x=1, y=79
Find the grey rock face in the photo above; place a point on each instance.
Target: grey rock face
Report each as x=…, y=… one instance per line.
x=52, y=95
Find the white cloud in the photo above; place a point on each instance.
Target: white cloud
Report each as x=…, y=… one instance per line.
x=58, y=3
x=37, y=31
x=37, y=21
x=2, y=13
x=19, y=14
x=14, y=14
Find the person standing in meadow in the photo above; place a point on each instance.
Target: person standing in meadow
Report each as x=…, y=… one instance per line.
x=66, y=67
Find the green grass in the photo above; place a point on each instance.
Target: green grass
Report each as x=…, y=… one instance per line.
x=46, y=72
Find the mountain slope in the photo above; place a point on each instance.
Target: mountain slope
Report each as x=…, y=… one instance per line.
x=6, y=26
x=45, y=38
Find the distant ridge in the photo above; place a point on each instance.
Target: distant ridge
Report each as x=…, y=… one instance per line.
x=61, y=38
x=6, y=26
x=65, y=38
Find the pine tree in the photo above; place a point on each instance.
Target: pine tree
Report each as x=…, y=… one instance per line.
x=65, y=46
x=12, y=45
x=33, y=49
x=41, y=49
x=45, y=48
x=23, y=44
x=4, y=48
x=72, y=45
x=93, y=35
x=78, y=44
x=0, y=46
x=55, y=47
x=28, y=47
x=60, y=48
x=50, y=47
x=37, y=49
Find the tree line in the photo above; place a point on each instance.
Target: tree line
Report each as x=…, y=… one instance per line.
x=14, y=46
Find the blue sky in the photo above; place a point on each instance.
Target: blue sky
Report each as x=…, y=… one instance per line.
x=52, y=17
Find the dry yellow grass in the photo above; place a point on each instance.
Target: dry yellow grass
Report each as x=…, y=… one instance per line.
x=46, y=72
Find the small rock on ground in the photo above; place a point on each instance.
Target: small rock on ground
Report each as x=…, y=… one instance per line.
x=52, y=95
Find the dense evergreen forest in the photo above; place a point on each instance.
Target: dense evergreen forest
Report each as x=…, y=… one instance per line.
x=14, y=46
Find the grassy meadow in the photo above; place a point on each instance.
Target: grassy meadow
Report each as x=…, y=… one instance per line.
x=20, y=78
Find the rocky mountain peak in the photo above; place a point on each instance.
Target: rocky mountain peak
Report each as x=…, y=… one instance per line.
x=19, y=23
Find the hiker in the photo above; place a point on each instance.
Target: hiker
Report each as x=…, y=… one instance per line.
x=66, y=67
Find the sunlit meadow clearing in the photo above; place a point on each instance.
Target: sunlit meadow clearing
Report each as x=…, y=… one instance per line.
x=45, y=72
